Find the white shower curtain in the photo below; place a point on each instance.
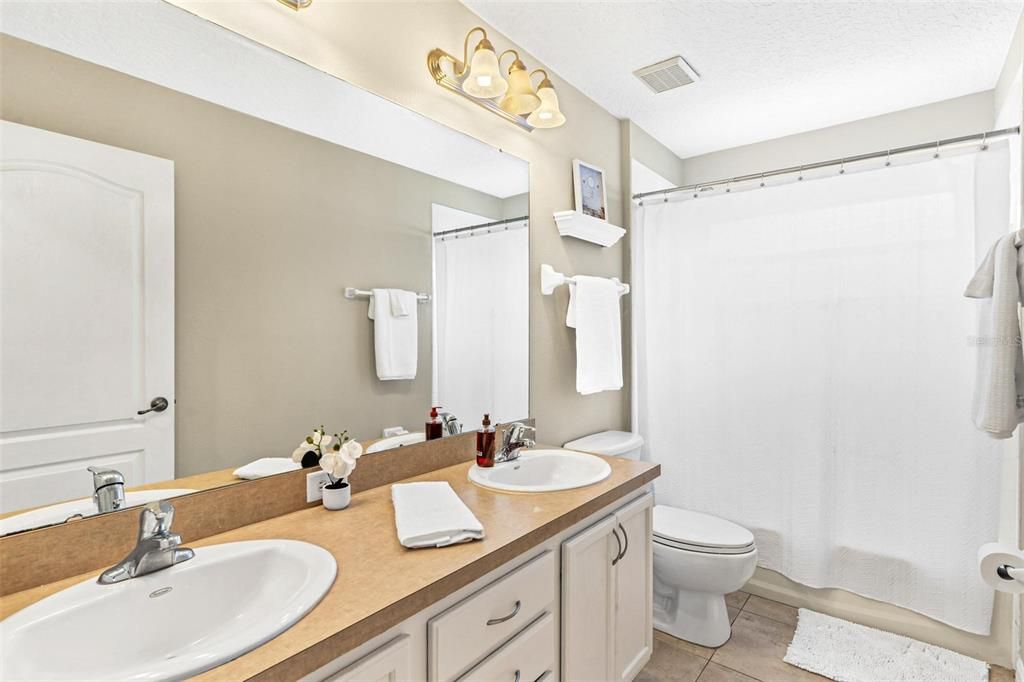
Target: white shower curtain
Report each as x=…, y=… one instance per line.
x=808, y=373
x=482, y=325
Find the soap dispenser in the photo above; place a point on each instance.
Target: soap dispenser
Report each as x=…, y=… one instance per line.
x=485, y=443
x=433, y=427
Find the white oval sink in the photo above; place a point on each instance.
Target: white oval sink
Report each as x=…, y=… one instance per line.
x=542, y=471
x=396, y=441
x=171, y=624
x=59, y=513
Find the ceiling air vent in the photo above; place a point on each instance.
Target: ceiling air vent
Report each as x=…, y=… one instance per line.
x=667, y=75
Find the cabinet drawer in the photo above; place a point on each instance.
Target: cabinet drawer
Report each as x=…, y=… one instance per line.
x=466, y=632
x=527, y=657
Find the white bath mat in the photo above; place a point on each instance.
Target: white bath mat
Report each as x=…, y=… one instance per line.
x=848, y=652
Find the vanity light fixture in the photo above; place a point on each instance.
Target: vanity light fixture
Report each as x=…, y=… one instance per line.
x=479, y=79
x=296, y=4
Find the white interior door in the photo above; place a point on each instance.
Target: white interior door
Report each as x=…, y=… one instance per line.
x=86, y=315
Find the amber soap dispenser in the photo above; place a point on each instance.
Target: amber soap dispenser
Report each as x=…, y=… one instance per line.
x=433, y=426
x=485, y=443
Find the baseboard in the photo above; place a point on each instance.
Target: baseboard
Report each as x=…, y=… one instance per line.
x=1018, y=671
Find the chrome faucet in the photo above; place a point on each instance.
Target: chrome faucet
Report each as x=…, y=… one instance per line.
x=514, y=441
x=452, y=426
x=158, y=548
x=108, y=489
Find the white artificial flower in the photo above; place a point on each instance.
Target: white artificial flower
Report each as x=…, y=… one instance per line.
x=300, y=452
x=336, y=466
x=317, y=436
x=351, y=451
x=325, y=442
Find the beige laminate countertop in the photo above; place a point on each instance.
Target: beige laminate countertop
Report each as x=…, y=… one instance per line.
x=380, y=583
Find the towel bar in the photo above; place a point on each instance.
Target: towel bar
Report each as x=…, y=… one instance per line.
x=550, y=279
x=353, y=293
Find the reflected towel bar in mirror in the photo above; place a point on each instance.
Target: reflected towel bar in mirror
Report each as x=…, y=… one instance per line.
x=353, y=293
x=550, y=279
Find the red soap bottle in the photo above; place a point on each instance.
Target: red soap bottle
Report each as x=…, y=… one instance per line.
x=433, y=426
x=485, y=443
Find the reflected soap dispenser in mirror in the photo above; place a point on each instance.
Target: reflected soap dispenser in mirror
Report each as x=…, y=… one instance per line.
x=433, y=428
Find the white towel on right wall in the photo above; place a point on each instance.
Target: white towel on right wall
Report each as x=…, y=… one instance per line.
x=594, y=313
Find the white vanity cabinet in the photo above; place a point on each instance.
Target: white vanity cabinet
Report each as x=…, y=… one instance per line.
x=577, y=607
x=607, y=585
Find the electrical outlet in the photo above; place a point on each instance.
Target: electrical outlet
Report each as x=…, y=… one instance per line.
x=315, y=483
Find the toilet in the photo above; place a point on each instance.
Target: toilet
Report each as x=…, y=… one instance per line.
x=698, y=558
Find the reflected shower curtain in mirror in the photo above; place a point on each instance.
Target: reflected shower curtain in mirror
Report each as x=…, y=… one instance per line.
x=482, y=319
x=807, y=372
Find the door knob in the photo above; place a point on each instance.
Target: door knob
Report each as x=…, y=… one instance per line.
x=158, y=404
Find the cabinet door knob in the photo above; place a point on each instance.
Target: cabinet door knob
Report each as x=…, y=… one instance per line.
x=618, y=541
x=158, y=404
x=497, y=621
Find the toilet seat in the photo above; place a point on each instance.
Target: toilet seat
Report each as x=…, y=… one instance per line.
x=696, y=532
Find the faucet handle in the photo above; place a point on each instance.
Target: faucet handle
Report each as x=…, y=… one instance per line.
x=156, y=519
x=102, y=476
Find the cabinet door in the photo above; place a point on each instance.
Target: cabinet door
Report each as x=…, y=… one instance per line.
x=633, y=626
x=588, y=592
x=390, y=663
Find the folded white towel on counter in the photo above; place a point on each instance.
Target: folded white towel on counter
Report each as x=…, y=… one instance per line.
x=999, y=389
x=266, y=466
x=430, y=514
x=594, y=312
x=395, y=333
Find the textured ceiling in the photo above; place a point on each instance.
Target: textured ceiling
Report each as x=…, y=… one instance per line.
x=768, y=69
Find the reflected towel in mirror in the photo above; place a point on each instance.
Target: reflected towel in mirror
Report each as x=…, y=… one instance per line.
x=395, y=332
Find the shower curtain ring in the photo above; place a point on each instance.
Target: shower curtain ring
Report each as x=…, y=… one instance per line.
x=984, y=141
x=842, y=166
x=762, y=179
x=888, y=158
x=727, y=187
x=801, y=176
x=936, y=155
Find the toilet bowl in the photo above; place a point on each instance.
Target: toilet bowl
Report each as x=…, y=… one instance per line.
x=698, y=558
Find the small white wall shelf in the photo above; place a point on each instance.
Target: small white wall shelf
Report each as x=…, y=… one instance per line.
x=580, y=226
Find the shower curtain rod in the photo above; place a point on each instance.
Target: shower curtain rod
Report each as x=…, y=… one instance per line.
x=457, y=230
x=978, y=137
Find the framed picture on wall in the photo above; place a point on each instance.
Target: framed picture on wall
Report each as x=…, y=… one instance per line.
x=588, y=183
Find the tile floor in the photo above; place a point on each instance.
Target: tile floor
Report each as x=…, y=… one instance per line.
x=761, y=632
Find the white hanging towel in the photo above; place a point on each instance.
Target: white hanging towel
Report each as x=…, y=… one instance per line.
x=430, y=514
x=395, y=332
x=999, y=386
x=594, y=313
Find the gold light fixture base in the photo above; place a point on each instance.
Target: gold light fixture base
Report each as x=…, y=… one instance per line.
x=435, y=64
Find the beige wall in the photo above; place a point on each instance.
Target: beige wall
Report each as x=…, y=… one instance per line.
x=271, y=226
x=383, y=47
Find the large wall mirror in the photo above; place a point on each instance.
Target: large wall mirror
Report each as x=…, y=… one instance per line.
x=187, y=283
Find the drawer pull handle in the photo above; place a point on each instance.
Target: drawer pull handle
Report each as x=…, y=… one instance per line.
x=618, y=541
x=625, y=535
x=517, y=676
x=498, y=621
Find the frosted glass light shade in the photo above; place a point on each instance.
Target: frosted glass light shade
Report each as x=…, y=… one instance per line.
x=484, y=79
x=547, y=115
x=520, y=99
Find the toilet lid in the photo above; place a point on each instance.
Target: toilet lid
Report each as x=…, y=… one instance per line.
x=702, y=532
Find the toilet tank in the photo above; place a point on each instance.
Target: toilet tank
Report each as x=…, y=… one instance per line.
x=616, y=443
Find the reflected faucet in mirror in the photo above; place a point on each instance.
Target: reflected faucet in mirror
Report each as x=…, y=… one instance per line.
x=452, y=425
x=158, y=548
x=108, y=489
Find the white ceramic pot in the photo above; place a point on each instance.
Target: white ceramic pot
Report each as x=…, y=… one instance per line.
x=337, y=498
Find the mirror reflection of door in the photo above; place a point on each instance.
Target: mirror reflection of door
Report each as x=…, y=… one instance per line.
x=481, y=312
x=86, y=271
